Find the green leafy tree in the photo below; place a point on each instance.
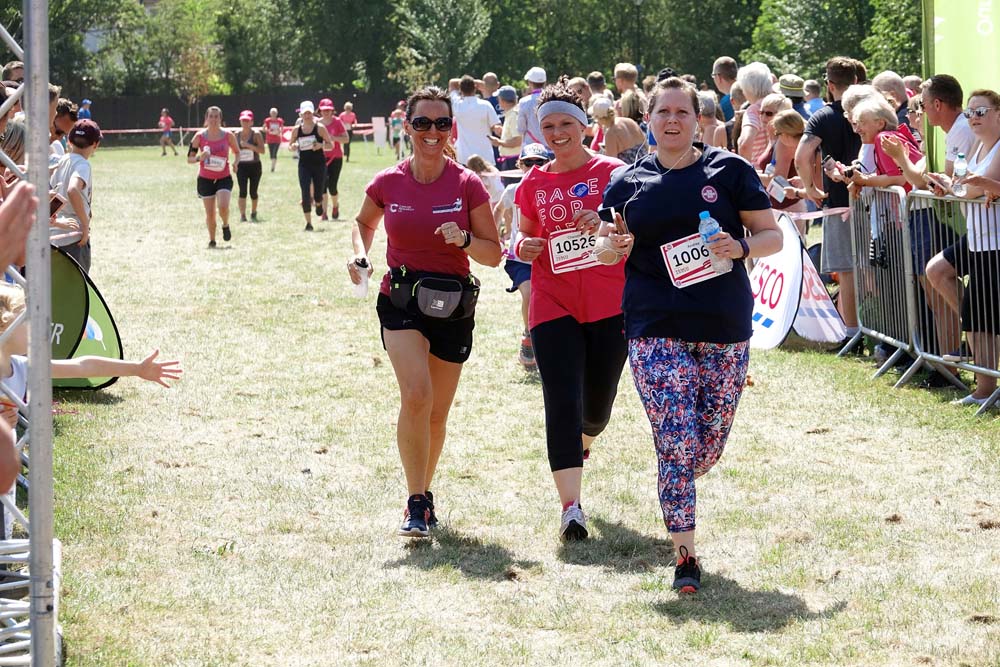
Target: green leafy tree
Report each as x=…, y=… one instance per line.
x=123, y=64
x=437, y=39
x=895, y=37
x=258, y=43
x=176, y=29
x=801, y=35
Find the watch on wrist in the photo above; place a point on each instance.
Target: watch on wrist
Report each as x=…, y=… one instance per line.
x=746, y=248
x=468, y=240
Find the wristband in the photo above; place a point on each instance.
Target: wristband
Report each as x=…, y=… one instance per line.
x=746, y=248
x=468, y=240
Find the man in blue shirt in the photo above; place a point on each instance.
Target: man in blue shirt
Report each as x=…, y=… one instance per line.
x=84, y=111
x=724, y=76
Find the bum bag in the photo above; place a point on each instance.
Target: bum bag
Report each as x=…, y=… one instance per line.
x=440, y=296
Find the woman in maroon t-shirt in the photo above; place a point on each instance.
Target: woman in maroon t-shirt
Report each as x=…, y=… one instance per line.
x=437, y=215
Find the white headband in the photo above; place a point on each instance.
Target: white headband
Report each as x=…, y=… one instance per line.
x=558, y=106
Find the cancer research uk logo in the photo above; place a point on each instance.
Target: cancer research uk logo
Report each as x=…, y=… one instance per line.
x=709, y=194
x=400, y=208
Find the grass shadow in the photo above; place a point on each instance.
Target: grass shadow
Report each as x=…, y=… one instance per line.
x=470, y=555
x=724, y=601
x=87, y=396
x=529, y=378
x=619, y=548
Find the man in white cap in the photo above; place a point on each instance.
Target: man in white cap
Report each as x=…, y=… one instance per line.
x=527, y=120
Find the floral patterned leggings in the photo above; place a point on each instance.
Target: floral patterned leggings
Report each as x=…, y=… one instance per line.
x=690, y=392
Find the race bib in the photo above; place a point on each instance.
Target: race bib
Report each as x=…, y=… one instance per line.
x=215, y=163
x=306, y=143
x=571, y=250
x=273, y=130
x=688, y=261
x=246, y=155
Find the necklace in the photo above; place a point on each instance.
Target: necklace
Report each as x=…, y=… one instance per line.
x=682, y=157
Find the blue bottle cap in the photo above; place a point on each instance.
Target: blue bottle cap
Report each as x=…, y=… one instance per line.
x=704, y=214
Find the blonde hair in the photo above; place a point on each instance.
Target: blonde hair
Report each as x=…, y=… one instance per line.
x=776, y=100
x=626, y=71
x=632, y=106
x=789, y=122
x=11, y=304
x=348, y=106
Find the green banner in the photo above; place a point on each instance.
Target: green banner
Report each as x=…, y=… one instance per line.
x=962, y=38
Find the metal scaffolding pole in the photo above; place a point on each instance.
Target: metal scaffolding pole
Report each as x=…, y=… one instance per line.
x=39, y=298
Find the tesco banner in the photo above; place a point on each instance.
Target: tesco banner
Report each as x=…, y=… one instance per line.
x=788, y=293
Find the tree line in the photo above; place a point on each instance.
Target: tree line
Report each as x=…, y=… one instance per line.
x=193, y=48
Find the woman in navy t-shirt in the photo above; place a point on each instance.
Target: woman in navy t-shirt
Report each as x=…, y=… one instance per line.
x=688, y=327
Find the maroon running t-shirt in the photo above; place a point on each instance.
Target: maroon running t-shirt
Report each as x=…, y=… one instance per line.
x=413, y=211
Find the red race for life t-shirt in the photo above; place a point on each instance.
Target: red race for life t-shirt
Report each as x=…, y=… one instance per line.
x=413, y=211
x=272, y=129
x=565, y=280
x=335, y=128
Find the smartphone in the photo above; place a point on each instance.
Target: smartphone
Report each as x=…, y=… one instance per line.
x=934, y=181
x=56, y=202
x=829, y=164
x=620, y=225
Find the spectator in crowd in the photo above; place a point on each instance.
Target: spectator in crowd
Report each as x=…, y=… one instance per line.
x=793, y=87
x=724, y=71
x=13, y=141
x=477, y=121
x=755, y=81
x=633, y=106
x=14, y=71
x=580, y=86
x=509, y=141
x=648, y=83
x=17, y=215
x=788, y=130
x=488, y=89
x=830, y=132
x=9, y=88
x=73, y=180
x=626, y=78
x=941, y=99
x=892, y=87
x=915, y=118
x=912, y=83
x=489, y=175
x=734, y=125
x=527, y=118
x=866, y=154
x=622, y=137
x=598, y=86
x=84, y=112
x=690, y=78
x=860, y=70
x=813, y=96
x=66, y=115
x=712, y=129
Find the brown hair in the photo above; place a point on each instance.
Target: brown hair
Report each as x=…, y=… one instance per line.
x=789, y=122
x=560, y=91
x=991, y=95
x=674, y=83
x=428, y=94
x=944, y=87
x=841, y=71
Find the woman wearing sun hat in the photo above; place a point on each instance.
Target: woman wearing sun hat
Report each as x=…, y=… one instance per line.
x=334, y=158
x=248, y=167
x=310, y=138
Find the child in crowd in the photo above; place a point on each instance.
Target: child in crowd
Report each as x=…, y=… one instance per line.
x=507, y=215
x=489, y=175
x=73, y=181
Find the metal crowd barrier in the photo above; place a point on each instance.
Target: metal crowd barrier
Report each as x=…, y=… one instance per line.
x=947, y=319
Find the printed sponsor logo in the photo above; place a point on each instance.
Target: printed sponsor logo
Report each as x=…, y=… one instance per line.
x=709, y=194
x=400, y=208
x=454, y=207
x=580, y=190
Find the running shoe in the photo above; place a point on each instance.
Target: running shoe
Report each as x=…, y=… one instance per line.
x=415, y=517
x=211, y=244
x=527, y=354
x=227, y=233
x=335, y=213
x=324, y=218
x=574, y=523
x=253, y=216
x=309, y=226
x=970, y=400
x=243, y=218
x=432, y=520
x=687, y=574
x=319, y=210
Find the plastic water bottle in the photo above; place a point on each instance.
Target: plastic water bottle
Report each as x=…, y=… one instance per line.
x=961, y=169
x=361, y=289
x=707, y=228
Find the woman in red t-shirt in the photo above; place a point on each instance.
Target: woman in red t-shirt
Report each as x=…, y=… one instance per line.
x=575, y=313
x=348, y=118
x=274, y=126
x=437, y=215
x=166, y=124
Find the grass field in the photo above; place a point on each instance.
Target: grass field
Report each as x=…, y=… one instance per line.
x=247, y=516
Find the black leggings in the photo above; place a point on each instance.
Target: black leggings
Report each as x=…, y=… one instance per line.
x=580, y=365
x=248, y=171
x=333, y=174
x=347, y=146
x=311, y=173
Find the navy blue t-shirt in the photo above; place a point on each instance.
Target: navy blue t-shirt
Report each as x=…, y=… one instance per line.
x=666, y=209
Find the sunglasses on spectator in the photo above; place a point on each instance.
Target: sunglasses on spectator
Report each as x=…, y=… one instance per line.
x=533, y=163
x=423, y=123
x=978, y=112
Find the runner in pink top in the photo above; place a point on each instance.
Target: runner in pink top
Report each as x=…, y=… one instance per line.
x=210, y=150
x=274, y=125
x=334, y=158
x=349, y=119
x=437, y=215
x=166, y=123
x=575, y=312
